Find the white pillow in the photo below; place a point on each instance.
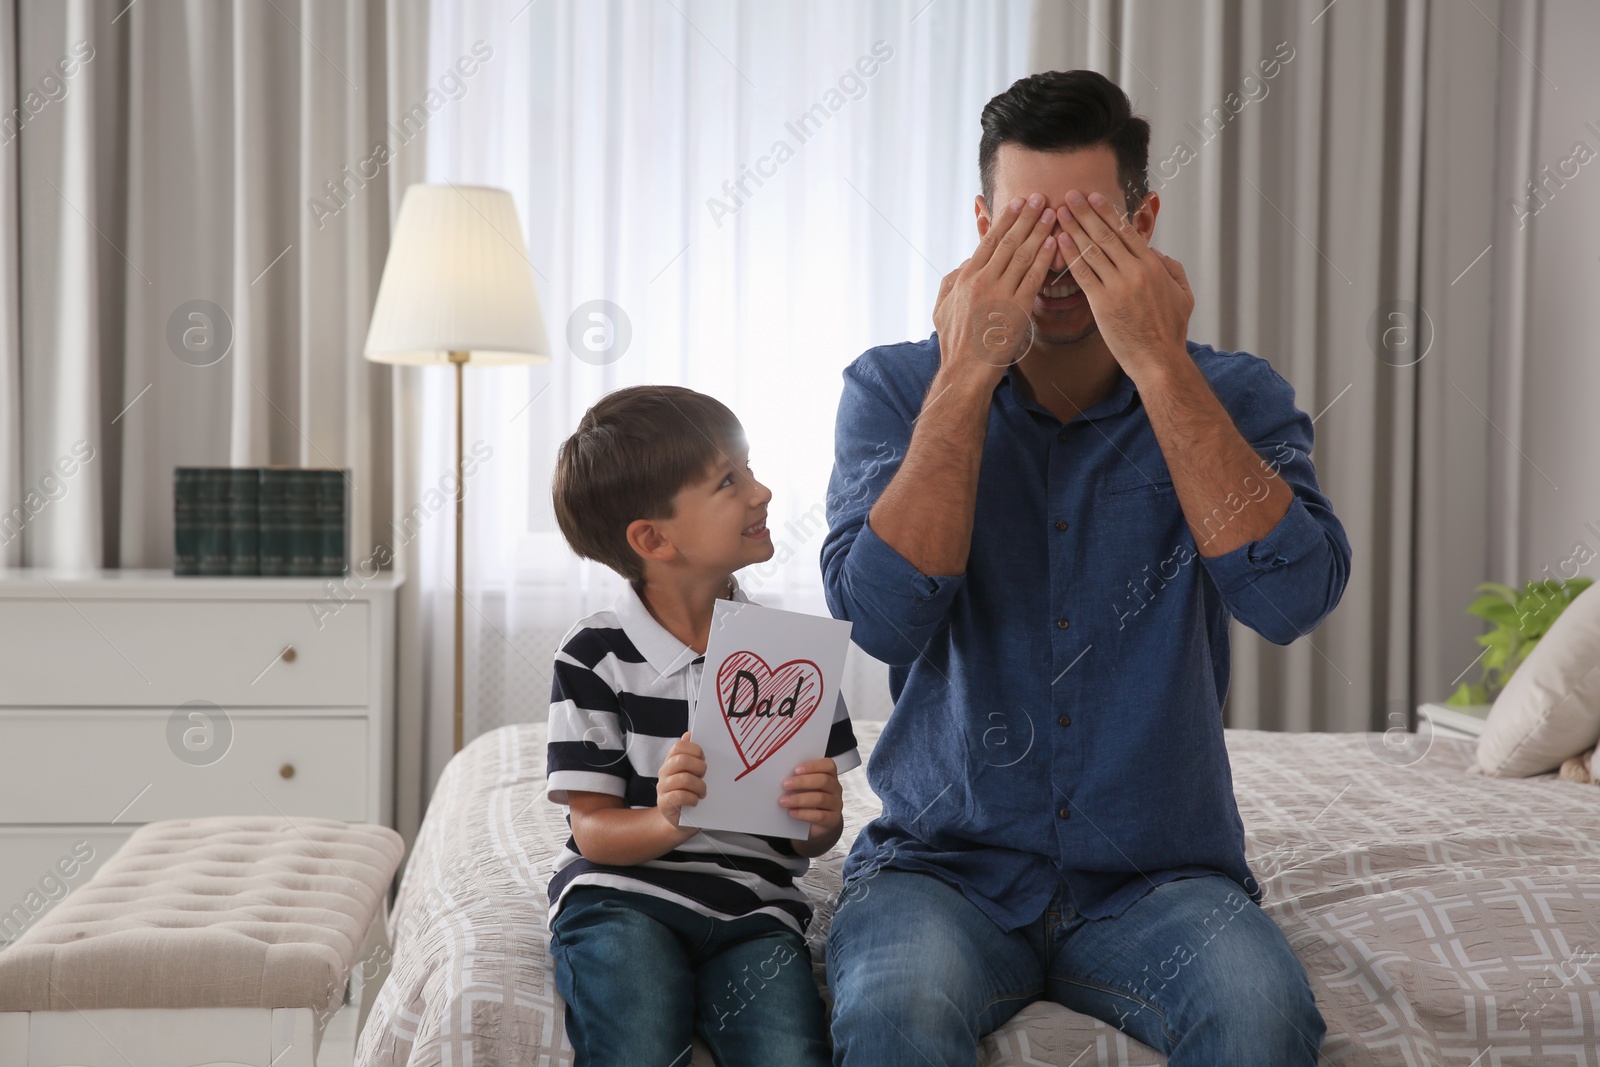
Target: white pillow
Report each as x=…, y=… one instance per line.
x=1550, y=709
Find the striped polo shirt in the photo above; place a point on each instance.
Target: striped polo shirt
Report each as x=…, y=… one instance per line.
x=620, y=698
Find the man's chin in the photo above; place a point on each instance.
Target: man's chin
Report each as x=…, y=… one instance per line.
x=1057, y=334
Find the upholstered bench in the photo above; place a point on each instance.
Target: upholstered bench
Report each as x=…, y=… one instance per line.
x=221, y=940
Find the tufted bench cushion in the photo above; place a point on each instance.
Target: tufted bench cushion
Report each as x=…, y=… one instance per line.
x=247, y=912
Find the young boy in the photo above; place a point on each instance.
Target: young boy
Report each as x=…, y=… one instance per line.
x=660, y=931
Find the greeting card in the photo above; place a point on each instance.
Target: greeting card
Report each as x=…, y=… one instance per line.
x=768, y=695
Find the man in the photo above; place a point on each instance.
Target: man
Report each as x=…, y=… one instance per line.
x=1042, y=518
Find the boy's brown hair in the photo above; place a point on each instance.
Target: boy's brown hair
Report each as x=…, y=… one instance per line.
x=631, y=454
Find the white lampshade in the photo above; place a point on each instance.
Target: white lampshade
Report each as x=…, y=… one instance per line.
x=457, y=280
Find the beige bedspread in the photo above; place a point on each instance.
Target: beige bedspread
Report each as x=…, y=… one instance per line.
x=1444, y=918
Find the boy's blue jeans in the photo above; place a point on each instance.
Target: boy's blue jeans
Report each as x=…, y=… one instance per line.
x=642, y=975
x=1194, y=969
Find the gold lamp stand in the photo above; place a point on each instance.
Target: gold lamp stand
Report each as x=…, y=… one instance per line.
x=457, y=288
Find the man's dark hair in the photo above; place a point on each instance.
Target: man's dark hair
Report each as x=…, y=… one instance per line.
x=631, y=454
x=1061, y=110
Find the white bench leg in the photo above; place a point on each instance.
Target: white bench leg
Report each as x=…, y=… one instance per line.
x=14, y=1037
x=294, y=1038
x=151, y=1037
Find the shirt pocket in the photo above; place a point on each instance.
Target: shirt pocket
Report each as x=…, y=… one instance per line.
x=1146, y=480
x=1139, y=513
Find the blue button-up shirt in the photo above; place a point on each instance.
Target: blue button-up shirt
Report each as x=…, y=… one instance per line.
x=1058, y=706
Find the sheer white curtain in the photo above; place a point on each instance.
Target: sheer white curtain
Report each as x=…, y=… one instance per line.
x=760, y=192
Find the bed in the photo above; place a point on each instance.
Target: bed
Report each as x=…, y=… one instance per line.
x=1443, y=917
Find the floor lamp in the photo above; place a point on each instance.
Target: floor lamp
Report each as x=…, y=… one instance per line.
x=457, y=288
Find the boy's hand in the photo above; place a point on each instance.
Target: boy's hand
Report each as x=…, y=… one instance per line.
x=681, y=782
x=813, y=794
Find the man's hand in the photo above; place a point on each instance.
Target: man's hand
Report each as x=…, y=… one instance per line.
x=681, y=782
x=984, y=315
x=813, y=794
x=1140, y=297
x=984, y=312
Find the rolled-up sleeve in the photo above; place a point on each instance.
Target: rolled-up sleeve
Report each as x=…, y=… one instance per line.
x=894, y=607
x=1282, y=585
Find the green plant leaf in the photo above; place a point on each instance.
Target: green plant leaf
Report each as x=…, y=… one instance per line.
x=1495, y=610
x=1541, y=615
x=1497, y=638
x=1519, y=620
x=1467, y=695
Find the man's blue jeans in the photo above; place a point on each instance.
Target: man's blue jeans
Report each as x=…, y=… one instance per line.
x=1194, y=969
x=642, y=975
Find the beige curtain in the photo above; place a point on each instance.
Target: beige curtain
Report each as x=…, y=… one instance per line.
x=166, y=153
x=1326, y=174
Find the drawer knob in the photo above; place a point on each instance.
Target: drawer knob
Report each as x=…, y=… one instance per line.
x=288, y=654
x=286, y=771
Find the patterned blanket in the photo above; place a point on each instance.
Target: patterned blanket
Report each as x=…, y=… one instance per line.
x=1440, y=915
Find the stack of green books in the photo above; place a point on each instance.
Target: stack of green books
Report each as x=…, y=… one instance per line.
x=259, y=520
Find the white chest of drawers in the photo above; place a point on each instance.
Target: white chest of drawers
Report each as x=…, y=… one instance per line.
x=130, y=696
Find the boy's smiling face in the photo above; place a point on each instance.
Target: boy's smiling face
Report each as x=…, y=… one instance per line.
x=718, y=523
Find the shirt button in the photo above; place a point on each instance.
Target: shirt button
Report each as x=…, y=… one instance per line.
x=1061, y=624
x=1062, y=437
x=1065, y=813
x=1065, y=720
x=1061, y=524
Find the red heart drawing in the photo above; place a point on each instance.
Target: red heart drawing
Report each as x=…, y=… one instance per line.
x=764, y=708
